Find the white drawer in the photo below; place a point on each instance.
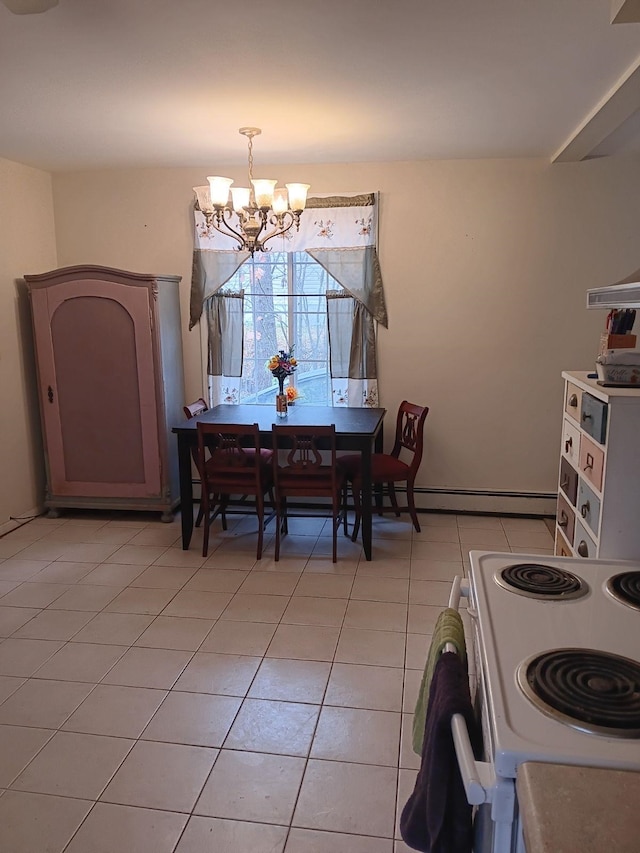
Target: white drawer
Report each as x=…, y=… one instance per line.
x=571, y=442
x=573, y=401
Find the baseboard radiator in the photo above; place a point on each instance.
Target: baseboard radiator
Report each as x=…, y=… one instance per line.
x=472, y=501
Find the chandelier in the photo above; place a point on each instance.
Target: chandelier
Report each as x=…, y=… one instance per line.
x=256, y=207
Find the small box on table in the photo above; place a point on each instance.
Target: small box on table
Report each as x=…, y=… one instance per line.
x=616, y=342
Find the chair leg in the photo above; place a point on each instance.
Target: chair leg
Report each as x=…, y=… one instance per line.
x=358, y=510
x=378, y=496
x=336, y=525
x=412, y=506
x=260, y=513
x=224, y=500
x=200, y=514
x=278, y=526
x=207, y=523
x=393, y=499
x=345, y=498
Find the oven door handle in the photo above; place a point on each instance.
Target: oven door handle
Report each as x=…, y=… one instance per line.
x=460, y=589
x=478, y=777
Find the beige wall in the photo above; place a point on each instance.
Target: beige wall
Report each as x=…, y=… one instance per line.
x=486, y=266
x=27, y=245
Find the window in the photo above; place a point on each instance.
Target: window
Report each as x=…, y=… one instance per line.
x=284, y=306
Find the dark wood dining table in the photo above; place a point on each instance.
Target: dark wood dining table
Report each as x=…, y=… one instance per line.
x=357, y=430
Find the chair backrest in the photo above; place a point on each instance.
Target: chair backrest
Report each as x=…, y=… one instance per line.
x=191, y=411
x=223, y=458
x=196, y=408
x=410, y=432
x=305, y=472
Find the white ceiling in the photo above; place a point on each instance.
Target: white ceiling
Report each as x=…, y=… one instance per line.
x=135, y=83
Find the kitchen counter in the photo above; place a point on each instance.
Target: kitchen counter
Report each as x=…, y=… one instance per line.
x=566, y=809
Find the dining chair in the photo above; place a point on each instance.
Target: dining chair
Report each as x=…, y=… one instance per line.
x=190, y=411
x=305, y=474
x=387, y=469
x=231, y=463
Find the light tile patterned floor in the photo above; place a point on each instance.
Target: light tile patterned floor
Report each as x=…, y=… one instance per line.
x=157, y=701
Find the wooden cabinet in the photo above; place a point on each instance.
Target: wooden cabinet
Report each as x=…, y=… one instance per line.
x=599, y=482
x=109, y=359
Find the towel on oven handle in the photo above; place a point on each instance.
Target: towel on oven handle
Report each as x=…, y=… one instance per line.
x=437, y=817
x=448, y=629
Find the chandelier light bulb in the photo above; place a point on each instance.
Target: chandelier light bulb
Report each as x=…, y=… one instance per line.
x=280, y=201
x=297, y=196
x=219, y=189
x=264, y=190
x=241, y=197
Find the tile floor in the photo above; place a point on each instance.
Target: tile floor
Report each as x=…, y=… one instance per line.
x=152, y=701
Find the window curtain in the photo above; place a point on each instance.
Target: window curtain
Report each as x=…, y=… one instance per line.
x=343, y=241
x=339, y=232
x=225, y=312
x=352, y=351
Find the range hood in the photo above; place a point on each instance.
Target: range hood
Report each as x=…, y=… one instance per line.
x=623, y=294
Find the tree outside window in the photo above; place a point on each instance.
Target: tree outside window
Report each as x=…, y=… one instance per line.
x=284, y=306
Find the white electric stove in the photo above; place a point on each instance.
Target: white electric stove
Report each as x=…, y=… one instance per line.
x=556, y=643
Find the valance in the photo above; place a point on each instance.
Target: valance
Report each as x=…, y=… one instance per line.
x=339, y=232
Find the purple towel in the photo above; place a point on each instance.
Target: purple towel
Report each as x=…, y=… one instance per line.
x=437, y=817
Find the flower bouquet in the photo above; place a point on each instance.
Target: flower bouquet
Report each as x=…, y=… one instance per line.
x=282, y=365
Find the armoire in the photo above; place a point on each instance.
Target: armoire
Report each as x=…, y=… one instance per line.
x=109, y=365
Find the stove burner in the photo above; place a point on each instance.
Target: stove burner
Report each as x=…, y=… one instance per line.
x=625, y=587
x=539, y=581
x=592, y=691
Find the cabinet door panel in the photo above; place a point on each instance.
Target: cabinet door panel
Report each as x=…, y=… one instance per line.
x=588, y=505
x=102, y=379
x=583, y=543
x=593, y=417
x=592, y=461
x=565, y=518
x=571, y=442
x=568, y=480
x=573, y=401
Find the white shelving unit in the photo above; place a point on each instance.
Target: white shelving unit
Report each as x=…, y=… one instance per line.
x=598, y=512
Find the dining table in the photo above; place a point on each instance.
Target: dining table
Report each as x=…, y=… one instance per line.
x=357, y=430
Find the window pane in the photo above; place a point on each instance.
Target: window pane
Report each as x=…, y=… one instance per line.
x=285, y=306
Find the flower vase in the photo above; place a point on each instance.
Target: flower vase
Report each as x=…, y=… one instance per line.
x=281, y=400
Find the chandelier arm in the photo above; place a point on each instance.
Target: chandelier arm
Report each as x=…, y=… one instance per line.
x=218, y=220
x=279, y=221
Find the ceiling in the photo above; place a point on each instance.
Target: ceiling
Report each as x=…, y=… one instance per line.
x=166, y=83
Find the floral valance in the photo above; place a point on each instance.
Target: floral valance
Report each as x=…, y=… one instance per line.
x=339, y=232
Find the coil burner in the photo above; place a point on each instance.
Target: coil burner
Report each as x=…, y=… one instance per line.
x=536, y=580
x=625, y=587
x=595, y=692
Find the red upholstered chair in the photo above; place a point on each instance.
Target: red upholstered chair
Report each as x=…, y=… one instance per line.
x=303, y=473
x=191, y=411
x=231, y=463
x=387, y=468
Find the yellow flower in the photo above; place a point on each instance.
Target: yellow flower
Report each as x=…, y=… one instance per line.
x=293, y=362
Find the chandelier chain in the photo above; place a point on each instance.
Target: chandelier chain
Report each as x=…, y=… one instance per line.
x=250, y=161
